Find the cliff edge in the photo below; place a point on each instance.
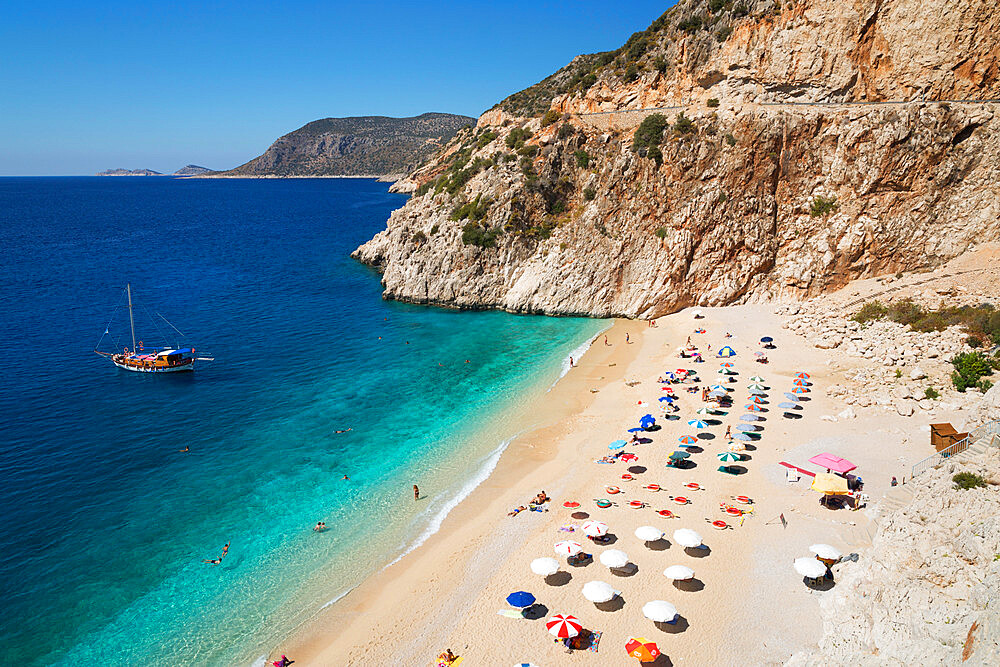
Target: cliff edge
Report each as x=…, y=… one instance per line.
x=731, y=152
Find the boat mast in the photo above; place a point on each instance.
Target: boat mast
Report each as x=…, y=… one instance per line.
x=131, y=320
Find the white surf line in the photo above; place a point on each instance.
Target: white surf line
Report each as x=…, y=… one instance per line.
x=578, y=353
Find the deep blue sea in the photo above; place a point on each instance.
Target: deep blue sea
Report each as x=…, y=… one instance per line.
x=104, y=523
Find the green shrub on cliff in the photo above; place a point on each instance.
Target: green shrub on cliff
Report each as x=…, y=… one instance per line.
x=475, y=234
x=969, y=480
x=517, y=137
x=970, y=369
x=589, y=193
x=473, y=210
x=650, y=132
x=873, y=310
x=683, y=124
x=550, y=117
x=565, y=130
x=712, y=103
x=582, y=158
x=822, y=205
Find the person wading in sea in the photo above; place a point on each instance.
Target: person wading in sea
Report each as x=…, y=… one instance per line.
x=416, y=492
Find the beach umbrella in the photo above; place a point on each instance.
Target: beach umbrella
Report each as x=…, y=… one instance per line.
x=727, y=352
x=759, y=354
x=687, y=538
x=629, y=457
x=756, y=378
x=646, y=421
x=617, y=444
x=637, y=429
x=727, y=364
x=726, y=457
x=742, y=437
x=829, y=484
x=736, y=447
x=755, y=385
x=799, y=382
x=825, y=551
x=568, y=548
x=753, y=398
x=809, y=567
x=545, y=566
x=799, y=390
x=678, y=573
x=688, y=440
x=753, y=407
x=766, y=339
x=792, y=397
x=659, y=611
x=614, y=558
x=746, y=427
x=804, y=376
x=724, y=371
x=594, y=528
x=599, y=591
x=788, y=405
x=717, y=393
x=525, y=664
x=648, y=533
x=748, y=417
x=642, y=648
x=679, y=456
x=521, y=599
x=564, y=625
x=756, y=392
x=697, y=423
x=705, y=411
x=667, y=399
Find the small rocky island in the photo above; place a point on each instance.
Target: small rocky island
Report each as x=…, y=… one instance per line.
x=129, y=172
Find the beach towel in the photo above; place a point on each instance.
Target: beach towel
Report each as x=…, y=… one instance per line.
x=595, y=639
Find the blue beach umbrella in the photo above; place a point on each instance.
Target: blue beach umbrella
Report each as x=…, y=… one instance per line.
x=688, y=439
x=742, y=436
x=757, y=392
x=646, y=421
x=788, y=405
x=792, y=397
x=521, y=599
x=749, y=417
x=766, y=339
x=667, y=399
x=697, y=423
x=617, y=444
x=717, y=393
x=799, y=390
x=746, y=427
x=727, y=352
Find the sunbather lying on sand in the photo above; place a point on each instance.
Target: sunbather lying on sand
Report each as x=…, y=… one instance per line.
x=516, y=510
x=541, y=498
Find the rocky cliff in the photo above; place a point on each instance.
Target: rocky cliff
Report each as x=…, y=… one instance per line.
x=732, y=151
x=192, y=170
x=358, y=146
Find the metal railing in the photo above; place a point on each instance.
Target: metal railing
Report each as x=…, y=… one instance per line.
x=975, y=435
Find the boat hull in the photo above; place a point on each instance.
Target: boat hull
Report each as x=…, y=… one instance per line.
x=152, y=369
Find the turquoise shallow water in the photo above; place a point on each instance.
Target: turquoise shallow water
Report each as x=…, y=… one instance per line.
x=105, y=523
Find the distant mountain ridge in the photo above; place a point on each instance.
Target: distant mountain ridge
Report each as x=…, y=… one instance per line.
x=192, y=170
x=355, y=146
x=129, y=172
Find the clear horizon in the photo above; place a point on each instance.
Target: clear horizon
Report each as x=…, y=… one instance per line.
x=159, y=87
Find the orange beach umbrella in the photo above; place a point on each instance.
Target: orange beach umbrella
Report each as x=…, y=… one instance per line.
x=642, y=648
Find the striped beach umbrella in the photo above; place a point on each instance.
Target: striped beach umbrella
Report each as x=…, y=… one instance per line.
x=594, y=528
x=800, y=390
x=705, y=411
x=697, y=423
x=563, y=626
x=568, y=548
x=755, y=399
x=756, y=378
x=753, y=407
x=727, y=364
x=802, y=375
x=798, y=382
x=727, y=457
x=688, y=440
x=755, y=385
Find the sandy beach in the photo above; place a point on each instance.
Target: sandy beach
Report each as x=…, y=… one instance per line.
x=746, y=605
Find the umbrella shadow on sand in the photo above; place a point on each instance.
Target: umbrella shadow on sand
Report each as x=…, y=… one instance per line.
x=662, y=661
x=821, y=584
x=535, y=612
x=750, y=448
x=791, y=415
x=606, y=540
x=637, y=470
x=614, y=604
x=630, y=570
x=580, y=515
x=658, y=545
x=679, y=625
x=560, y=578
x=713, y=422
x=704, y=551
x=694, y=449
x=706, y=436
x=692, y=585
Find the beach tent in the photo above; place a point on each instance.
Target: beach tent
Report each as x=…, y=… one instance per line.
x=829, y=484
x=643, y=649
x=727, y=352
x=833, y=463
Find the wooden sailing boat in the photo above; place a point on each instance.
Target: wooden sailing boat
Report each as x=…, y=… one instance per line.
x=150, y=360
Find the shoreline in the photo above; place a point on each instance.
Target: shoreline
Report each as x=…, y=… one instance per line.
x=516, y=460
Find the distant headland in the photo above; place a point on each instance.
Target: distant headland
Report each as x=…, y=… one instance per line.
x=188, y=170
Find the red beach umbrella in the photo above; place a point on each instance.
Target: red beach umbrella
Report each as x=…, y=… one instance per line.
x=643, y=649
x=563, y=625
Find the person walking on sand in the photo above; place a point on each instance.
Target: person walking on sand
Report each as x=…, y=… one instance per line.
x=729, y=431
x=416, y=492
x=606, y=341
x=571, y=362
x=627, y=341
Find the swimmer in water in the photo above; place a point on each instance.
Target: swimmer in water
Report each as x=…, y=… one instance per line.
x=345, y=477
x=319, y=527
x=345, y=430
x=185, y=450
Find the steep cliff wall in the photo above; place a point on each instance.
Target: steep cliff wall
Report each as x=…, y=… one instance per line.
x=746, y=193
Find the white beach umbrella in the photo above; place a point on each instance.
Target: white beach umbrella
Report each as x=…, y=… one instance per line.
x=756, y=378
x=594, y=528
x=659, y=611
x=809, y=567
x=687, y=538
x=678, y=573
x=756, y=385
x=826, y=551
x=614, y=558
x=600, y=591
x=568, y=548
x=756, y=392
x=705, y=411
x=545, y=566
x=648, y=533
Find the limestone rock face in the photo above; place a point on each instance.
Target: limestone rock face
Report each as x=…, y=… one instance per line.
x=925, y=592
x=758, y=198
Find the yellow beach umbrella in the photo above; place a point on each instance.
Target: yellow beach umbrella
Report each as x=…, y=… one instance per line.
x=829, y=484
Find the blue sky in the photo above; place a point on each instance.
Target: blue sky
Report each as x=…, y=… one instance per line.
x=88, y=86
